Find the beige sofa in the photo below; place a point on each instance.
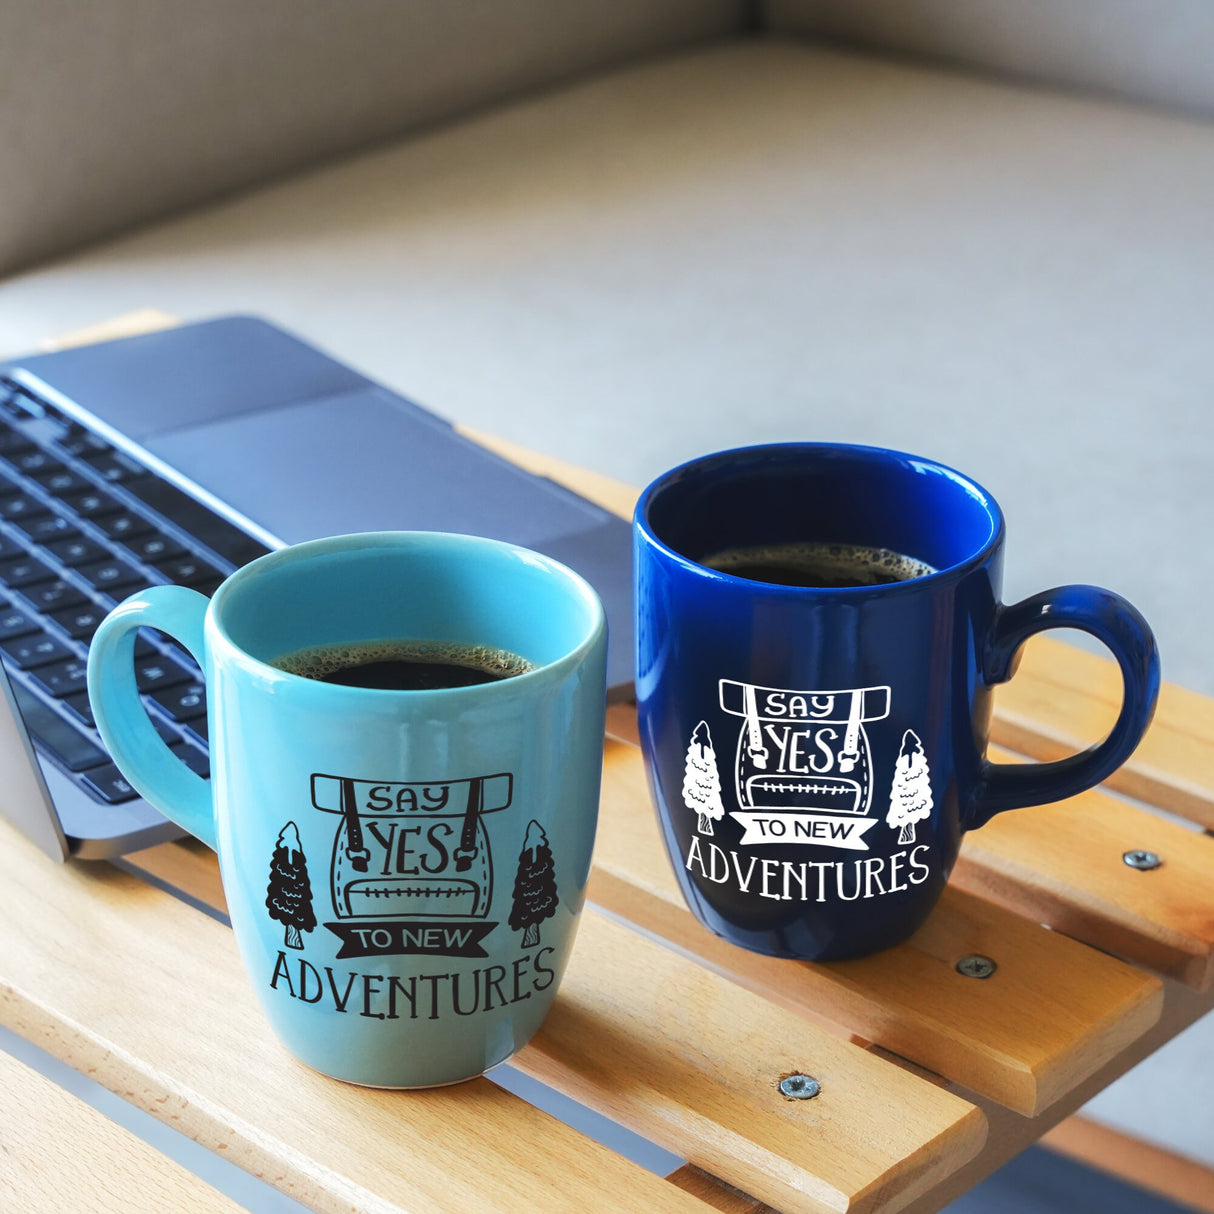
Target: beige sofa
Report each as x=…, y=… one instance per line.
x=628, y=231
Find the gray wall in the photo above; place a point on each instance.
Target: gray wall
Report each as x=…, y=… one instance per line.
x=113, y=112
x=1155, y=51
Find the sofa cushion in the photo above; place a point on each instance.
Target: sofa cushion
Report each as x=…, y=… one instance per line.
x=119, y=111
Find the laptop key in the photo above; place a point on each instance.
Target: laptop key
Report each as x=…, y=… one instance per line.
x=61, y=679
x=78, y=440
x=91, y=504
x=76, y=549
x=166, y=731
x=185, y=659
x=53, y=596
x=80, y=708
x=194, y=759
x=183, y=704
x=112, y=598
x=154, y=673
x=209, y=586
x=198, y=727
x=109, y=574
x=13, y=441
x=53, y=735
x=188, y=570
x=124, y=525
x=14, y=623
x=24, y=571
x=79, y=622
x=223, y=538
x=30, y=652
x=58, y=481
x=152, y=548
x=46, y=527
x=35, y=461
x=115, y=466
x=21, y=506
x=24, y=404
x=9, y=547
x=62, y=740
x=109, y=784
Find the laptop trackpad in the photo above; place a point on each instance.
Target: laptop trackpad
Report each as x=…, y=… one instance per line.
x=367, y=461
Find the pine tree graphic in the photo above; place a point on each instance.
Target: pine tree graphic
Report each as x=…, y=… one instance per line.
x=534, y=886
x=910, y=798
x=289, y=894
x=701, y=783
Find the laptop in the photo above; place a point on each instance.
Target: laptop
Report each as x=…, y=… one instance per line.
x=177, y=457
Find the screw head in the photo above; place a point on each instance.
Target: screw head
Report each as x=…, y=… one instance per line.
x=799, y=1087
x=1144, y=861
x=975, y=965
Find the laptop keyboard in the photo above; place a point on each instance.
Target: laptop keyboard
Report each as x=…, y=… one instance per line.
x=83, y=525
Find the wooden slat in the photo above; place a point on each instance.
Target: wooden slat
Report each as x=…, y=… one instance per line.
x=1055, y=1012
x=147, y=995
x=716, y=1195
x=693, y=1061
x=58, y=1153
x=1062, y=865
x=1176, y=1177
x=712, y=1109
x=188, y=866
x=1010, y=1133
x=1063, y=699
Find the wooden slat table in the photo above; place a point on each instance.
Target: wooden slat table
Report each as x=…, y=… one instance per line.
x=929, y=1080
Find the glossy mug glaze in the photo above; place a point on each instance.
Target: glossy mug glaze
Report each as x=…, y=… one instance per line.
x=815, y=754
x=404, y=870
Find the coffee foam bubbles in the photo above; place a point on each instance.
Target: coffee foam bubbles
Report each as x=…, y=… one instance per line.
x=320, y=661
x=856, y=559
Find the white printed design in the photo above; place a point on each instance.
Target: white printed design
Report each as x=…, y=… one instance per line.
x=803, y=777
x=804, y=769
x=701, y=783
x=910, y=798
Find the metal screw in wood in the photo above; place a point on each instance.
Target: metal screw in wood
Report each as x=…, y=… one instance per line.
x=1144, y=861
x=799, y=1087
x=975, y=965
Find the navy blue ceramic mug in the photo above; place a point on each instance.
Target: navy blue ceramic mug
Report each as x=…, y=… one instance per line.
x=818, y=631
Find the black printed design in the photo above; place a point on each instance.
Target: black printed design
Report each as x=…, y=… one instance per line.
x=535, y=896
x=289, y=894
x=412, y=868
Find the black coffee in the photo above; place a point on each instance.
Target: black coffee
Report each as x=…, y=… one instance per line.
x=823, y=565
x=404, y=665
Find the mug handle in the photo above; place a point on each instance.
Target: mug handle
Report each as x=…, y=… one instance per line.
x=1119, y=625
x=141, y=754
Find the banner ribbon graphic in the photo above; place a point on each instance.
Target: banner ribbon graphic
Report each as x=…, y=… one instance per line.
x=810, y=830
x=437, y=938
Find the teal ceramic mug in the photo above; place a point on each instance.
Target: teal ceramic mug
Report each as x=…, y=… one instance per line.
x=404, y=869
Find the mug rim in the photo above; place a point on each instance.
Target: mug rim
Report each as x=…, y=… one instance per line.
x=887, y=455
x=573, y=583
